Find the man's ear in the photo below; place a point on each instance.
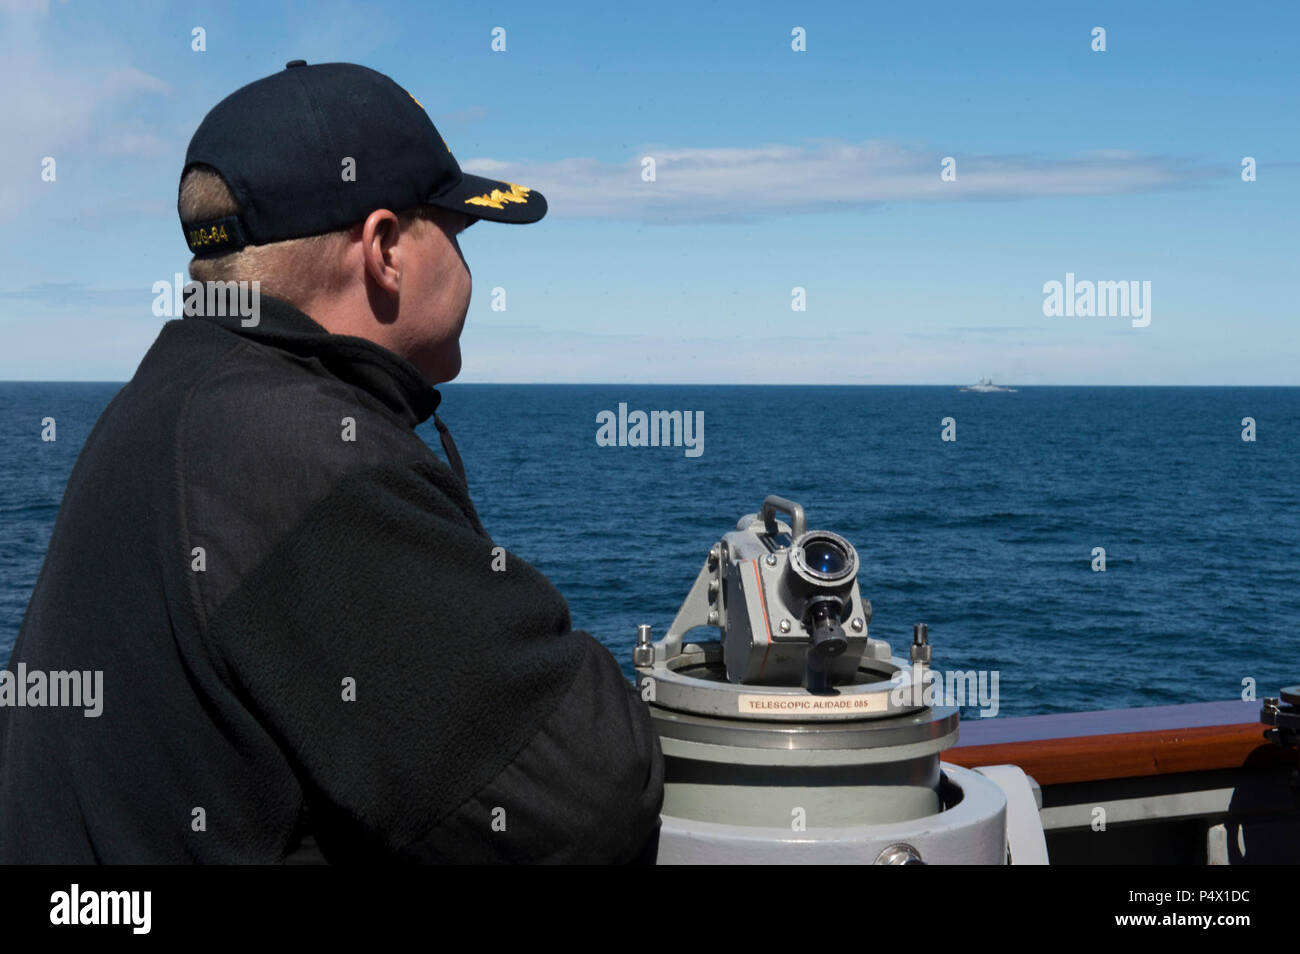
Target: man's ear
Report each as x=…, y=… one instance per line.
x=378, y=236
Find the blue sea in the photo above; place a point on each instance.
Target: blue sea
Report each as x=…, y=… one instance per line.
x=989, y=538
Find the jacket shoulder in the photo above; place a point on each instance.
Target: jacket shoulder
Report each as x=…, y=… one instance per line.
x=261, y=439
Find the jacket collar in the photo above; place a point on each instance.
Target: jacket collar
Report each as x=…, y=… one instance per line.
x=361, y=363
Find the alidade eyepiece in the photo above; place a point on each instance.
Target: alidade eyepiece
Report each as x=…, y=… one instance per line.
x=826, y=641
x=827, y=636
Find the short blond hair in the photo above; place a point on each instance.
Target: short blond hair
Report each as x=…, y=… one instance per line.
x=295, y=270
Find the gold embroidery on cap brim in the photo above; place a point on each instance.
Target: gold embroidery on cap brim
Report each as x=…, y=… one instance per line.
x=496, y=199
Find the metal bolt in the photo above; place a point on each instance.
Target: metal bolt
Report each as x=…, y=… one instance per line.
x=921, y=650
x=644, y=654
x=900, y=854
x=785, y=626
x=771, y=559
x=713, y=617
x=857, y=625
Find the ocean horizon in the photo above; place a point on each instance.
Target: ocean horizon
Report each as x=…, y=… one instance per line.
x=989, y=538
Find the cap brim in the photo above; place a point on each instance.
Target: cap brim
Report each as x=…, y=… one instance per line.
x=493, y=200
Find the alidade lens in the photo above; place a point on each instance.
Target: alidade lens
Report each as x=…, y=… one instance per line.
x=823, y=558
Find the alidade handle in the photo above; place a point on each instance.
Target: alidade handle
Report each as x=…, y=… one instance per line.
x=772, y=505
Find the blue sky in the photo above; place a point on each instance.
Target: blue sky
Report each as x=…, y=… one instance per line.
x=775, y=169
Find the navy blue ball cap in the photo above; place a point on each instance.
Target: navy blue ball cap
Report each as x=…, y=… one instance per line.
x=313, y=149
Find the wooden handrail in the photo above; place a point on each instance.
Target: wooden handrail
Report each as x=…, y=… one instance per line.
x=1120, y=743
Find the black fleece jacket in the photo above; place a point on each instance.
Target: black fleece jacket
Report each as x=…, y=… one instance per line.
x=303, y=637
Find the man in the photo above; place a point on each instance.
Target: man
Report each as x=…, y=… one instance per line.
x=305, y=635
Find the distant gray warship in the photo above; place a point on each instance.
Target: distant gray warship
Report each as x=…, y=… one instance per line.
x=986, y=386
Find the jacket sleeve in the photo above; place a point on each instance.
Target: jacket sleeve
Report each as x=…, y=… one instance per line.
x=428, y=691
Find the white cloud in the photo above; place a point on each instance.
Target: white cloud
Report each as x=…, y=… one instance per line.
x=711, y=183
